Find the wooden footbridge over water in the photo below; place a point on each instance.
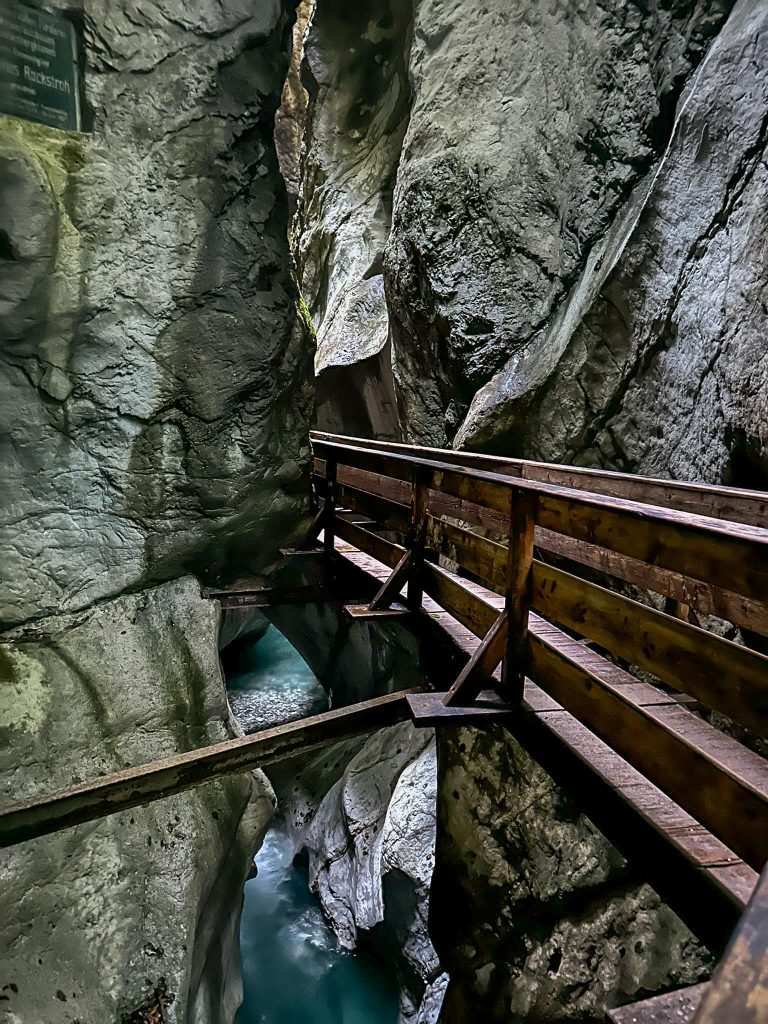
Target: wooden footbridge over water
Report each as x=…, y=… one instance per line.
x=599, y=618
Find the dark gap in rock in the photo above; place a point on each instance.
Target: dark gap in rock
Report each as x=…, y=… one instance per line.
x=747, y=464
x=6, y=248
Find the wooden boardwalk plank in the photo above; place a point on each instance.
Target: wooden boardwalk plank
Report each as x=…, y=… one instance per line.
x=141, y=785
x=697, y=873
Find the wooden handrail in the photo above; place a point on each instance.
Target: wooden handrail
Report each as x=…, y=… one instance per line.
x=724, y=785
x=145, y=783
x=730, y=503
x=718, y=552
x=386, y=500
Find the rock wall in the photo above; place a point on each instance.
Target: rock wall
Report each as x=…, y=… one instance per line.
x=530, y=132
x=535, y=915
x=355, y=70
x=155, y=380
x=363, y=812
x=574, y=258
x=141, y=909
x=666, y=373
x=155, y=398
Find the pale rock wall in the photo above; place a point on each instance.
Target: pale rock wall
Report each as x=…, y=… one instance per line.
x=155, y=380
x=364, y=813
x=355, y=70
x=140, y=908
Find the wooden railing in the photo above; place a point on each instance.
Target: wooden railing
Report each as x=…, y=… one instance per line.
x=585, y=561
x=561, y=574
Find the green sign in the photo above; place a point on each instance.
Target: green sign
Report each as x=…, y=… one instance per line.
x=39, y=78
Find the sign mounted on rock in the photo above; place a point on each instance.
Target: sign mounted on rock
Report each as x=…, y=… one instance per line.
x=39, y=74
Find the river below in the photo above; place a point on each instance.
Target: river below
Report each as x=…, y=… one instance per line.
x=294, y=970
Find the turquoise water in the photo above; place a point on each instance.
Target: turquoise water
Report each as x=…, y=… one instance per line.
x=271, y=683
x=294, y=971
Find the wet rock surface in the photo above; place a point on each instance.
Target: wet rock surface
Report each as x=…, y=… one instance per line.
x=573, y=267
x=666, y=374
x=363, y=811
x=535, y=915
x=140, y=909
x=496, y=216
x=155, y=387
x=355, y=68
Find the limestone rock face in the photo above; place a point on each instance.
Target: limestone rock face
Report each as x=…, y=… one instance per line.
x=529, y=130
x=141, y=908
x=533, y=912
x=364, y=811
x=154, y=377
x=667, y=373
x=355, y=69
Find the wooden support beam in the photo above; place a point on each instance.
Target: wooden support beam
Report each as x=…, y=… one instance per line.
x=141, y=785
x=416, y=538
x=329, y=508
x=518, y=594
x=270, y=597
x=428, y=709
x=364, y=611
x=314, y=531
x=481, y=665
x=391, y=587
x=738, y=992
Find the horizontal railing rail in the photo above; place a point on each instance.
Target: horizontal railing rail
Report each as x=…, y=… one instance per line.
x=731, y=503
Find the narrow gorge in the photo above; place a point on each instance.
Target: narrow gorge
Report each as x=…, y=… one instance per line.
x=534, y=231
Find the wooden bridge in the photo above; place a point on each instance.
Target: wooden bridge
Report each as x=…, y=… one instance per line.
x=597, y=616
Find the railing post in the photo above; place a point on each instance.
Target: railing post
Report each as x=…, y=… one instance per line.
x=417, y=536
x=329, y=518
x=522, y=519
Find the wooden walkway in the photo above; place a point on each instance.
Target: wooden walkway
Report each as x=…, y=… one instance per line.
x=598, y=617
x=544, y=577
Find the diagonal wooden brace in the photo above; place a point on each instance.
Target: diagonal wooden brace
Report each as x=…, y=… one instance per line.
x=314, y=530
x=392, y=585
x=474, y=676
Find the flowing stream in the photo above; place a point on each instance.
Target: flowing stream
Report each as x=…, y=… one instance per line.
x=294, y=970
